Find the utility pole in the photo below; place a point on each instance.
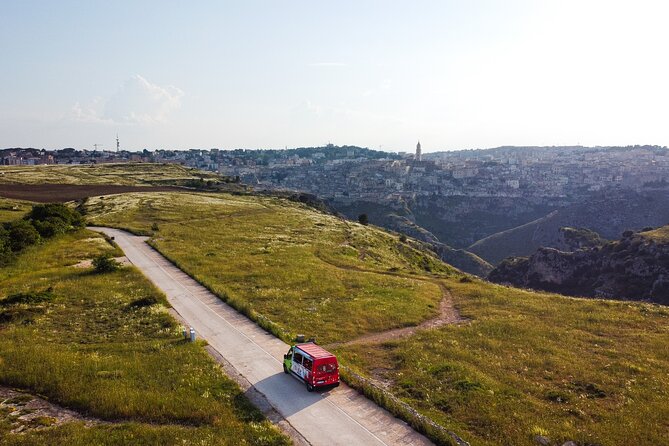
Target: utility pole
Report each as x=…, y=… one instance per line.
x=118, y=145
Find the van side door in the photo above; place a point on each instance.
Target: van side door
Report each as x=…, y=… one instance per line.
x=296, y=366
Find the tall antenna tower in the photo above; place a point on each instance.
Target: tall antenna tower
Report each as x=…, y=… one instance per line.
x=118, y=144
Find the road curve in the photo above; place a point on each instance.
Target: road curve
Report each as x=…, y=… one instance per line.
x=338, y=417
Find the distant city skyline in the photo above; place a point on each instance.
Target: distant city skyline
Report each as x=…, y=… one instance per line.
x=259, y=74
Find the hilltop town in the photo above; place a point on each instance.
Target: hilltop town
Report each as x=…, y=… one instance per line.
x=349, y=173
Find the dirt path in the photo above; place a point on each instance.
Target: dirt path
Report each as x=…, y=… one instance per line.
x=448, y=314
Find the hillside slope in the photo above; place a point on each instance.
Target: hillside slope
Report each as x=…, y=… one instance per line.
x=513, y=365
x=608, y=214
x=635, y=267
x=104, y=347
x=402, y=220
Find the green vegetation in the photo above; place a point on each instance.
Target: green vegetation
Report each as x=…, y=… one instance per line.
x=43, y=221
x=105, y=263
x=515, y=242
x=288, y=267
x=12, y=209
x=128, y=174
x=523, y=363
x=104, y=344
x=592, y=371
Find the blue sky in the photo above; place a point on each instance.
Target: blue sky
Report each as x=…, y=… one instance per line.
x=380, y=74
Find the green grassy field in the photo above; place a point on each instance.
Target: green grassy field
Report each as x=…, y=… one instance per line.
x=12, y=209
x=524, y=364
x=284, y=261
x=128, y=174
x=104, y=345
x=592, y=371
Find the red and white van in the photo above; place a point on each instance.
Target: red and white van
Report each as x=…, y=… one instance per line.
x=312, y=364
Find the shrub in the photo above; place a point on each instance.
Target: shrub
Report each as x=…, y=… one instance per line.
x=6, y=254
x=28, y=298
x=154, y=227
x=403, y=238
x=105, y=264
x=54, y=218
x=144, y=302
x=363, y=219
x=21, y=235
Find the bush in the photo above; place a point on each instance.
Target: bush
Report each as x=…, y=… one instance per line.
x=21, y=235
x=6, y=254
x=362, y=219
x=144, y=302
x=54, y=218
x=403, y=238
x=105, y=264
x=28, y=298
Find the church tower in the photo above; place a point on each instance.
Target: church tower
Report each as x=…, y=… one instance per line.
x=419, y=155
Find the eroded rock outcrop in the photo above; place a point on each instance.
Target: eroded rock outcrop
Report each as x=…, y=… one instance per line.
x=635, y=267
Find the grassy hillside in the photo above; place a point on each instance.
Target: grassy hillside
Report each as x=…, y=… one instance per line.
x=292, y=265
x=528, y=364
x=104, y=345
x=608, y=214
x=128, y=174
x=399, y=219
x=520, y=241
x=12, y=209
x=523, y=364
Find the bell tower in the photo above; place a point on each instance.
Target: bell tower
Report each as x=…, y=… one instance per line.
x=419, y=155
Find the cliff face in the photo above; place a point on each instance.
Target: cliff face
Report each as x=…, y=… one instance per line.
x=635, y=268
x=608, y=213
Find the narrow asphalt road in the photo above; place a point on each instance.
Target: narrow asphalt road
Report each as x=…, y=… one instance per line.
x=338, y=417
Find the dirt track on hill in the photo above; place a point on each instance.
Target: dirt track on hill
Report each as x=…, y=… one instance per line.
x=49, y=193
x=448, y=314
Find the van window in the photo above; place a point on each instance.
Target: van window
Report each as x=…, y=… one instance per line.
x=297, y=358
x=326, y=368
x=307, y=363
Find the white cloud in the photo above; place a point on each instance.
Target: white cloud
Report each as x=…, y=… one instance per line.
x=138, y=101
x=87, y=112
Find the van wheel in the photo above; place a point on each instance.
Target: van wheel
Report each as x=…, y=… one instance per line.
x=310, y=388
x=285, y=369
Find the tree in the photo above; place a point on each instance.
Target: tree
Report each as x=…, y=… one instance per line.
x=362, y=219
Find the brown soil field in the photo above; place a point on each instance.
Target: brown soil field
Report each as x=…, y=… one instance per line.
x=49, y=193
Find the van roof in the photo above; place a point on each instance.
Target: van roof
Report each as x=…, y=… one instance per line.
x=315, y=351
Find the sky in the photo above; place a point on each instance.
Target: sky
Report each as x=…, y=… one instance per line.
x=373, y=73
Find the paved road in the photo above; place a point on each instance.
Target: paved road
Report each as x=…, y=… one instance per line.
x=338, y=417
